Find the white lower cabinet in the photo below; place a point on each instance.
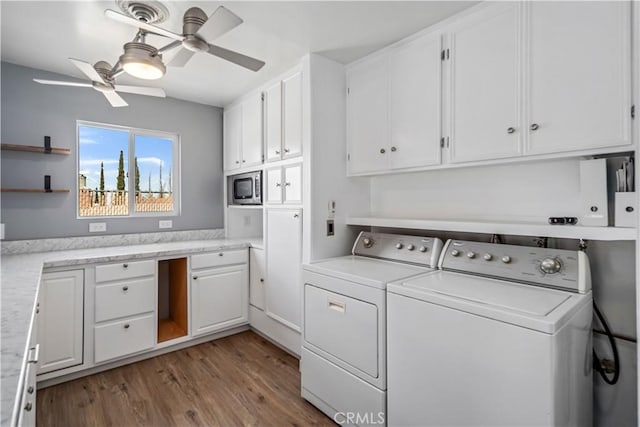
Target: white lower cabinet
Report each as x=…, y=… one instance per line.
x=283, y=288
x=256, y=277
x=219, y=292
x=60, y=320
x=124, y=309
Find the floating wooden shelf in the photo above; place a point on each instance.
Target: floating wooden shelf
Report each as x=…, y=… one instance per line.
x=33, y=149
x=32, y=190
x=511, y=228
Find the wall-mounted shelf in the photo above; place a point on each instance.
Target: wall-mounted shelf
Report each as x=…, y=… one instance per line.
x=510, y=228
x=33, y=149
x=31, y=190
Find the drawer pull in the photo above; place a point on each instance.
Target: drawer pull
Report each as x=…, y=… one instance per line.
x=30, y=389
x=195, y=277
x=125, y=288
x=126, y=326
x=286, y=150
x=28, y=406
x=287, y=184
x=261, y=280
x=125, y=265
x=221, y=254
x=36, y=354
x=340, y=307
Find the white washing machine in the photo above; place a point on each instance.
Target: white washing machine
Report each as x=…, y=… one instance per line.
x=500, y=336
x=343, y=362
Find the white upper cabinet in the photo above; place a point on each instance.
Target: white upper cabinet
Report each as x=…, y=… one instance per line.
x=579, y=75
x=284, y=185
x=393, y=108
x=368, y=116
x=283, y=118
x=232, y=124
x=243, y=134
x=484, y=85
x=414, y=103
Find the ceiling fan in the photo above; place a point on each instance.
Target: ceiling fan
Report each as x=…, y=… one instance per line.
x=197, y=31
x=102, y=77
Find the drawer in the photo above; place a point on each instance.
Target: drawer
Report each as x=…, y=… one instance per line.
x=125, y=270
x=124, y=299
x=124, y=337
x=217, y=259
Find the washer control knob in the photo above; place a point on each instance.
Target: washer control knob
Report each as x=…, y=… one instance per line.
x=410, y=247
x=455, y=252
x=399, y=245
x=367, y=242
x=423, y=249
x=506, y=259
x=471, y=255
x=550, y=265
x=487, y=257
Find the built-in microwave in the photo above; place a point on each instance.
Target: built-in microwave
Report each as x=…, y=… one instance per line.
x=245, y=188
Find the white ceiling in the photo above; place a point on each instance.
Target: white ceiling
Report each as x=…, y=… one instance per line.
x=43, y=34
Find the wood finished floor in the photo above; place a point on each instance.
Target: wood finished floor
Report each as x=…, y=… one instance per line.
x=239, y=380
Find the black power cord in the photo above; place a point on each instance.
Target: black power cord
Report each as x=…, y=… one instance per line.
x=597, y=365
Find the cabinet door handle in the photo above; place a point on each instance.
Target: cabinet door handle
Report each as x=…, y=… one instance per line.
x=126, y=326
x=244, y=161
x=261, y=280
x=286, y=184
x=382, y=151
x=125, y=265
x=125, y=288
x=286, y=150
x=277, y=151
x=278, y=184
x=28, y=406
x=534, y=126
x=237, y=162
x=511, y=130
x=296, y=216
x=195, y=277
x=394, y=149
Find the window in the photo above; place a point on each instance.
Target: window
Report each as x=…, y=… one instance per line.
x=110, y=184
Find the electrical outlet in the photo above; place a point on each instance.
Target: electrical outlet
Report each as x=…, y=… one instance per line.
x=97, y=227
x=330, y=228
x=165, y=223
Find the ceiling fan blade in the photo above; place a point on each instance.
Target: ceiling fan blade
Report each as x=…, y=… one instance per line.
x=88, y=70
x=181, y=58
x=61, y=83
x=170, y=46
x=141, y=24
x=235, y=57
x=222, y=20
x=140, y=90
x=114, y=99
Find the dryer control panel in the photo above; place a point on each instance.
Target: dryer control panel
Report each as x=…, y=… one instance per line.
x=554, y=268
x=417, y=250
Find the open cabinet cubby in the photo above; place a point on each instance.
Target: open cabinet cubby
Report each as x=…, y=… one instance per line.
x=172, y=299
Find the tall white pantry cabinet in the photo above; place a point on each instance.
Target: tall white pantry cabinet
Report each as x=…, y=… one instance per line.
x=303, y=140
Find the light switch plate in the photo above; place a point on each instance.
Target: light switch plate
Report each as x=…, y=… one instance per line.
x=97, y=227
x=166, y=223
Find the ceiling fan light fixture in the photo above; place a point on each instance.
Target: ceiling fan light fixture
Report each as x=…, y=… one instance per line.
x=142, y=61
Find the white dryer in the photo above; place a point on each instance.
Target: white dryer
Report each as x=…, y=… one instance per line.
x=343, y=362
x=500, y=336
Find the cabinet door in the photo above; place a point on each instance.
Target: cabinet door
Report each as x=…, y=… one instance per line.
x=283, y=287
x=256, y=277
x=274, y=186
x=273, y=122
x=485, y=89
x=292, y=184
x=579, y=68
x=415, y=104
x=368, y=117
x=232, y=123
x=252, y=131
x=292, y=115
x=60, y=320
x=218, y=299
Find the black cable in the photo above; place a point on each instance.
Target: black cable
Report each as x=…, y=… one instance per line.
x=597, y=365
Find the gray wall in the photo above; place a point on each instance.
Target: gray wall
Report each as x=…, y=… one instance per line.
x=31, y=110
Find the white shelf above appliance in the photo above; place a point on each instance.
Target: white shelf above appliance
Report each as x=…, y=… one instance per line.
x=510, y=228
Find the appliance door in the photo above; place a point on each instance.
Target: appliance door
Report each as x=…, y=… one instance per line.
x=243, y=189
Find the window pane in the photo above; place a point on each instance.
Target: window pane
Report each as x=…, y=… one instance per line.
x=102, y=177
x=154, y=174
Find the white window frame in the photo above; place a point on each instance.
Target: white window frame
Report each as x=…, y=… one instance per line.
x=176, y=181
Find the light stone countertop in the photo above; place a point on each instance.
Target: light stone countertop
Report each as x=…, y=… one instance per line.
x=20, y=279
